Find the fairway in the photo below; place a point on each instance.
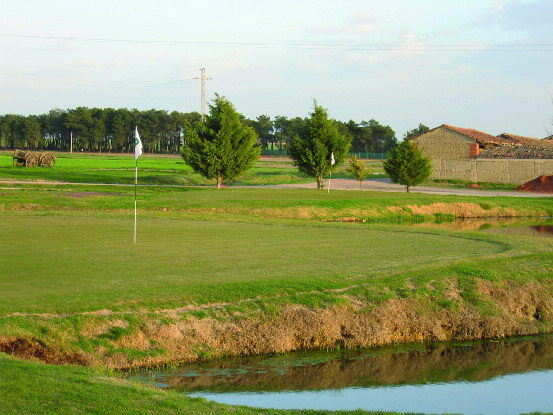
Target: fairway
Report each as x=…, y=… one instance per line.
x=71, y=264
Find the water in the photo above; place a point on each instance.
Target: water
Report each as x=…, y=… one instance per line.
x=505, y=377
x=513, y=226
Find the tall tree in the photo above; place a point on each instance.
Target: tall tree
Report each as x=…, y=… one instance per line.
x=311, y=151
x=223, y=147
x=415, y=132
x=263, y=126
x=407, y=165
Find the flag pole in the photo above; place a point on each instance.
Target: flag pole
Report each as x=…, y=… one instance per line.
x=135, y=184
x=332, y=162
x=137, y=153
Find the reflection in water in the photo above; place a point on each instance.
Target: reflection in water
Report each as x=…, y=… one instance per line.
x=491, y=377
x=514, y=226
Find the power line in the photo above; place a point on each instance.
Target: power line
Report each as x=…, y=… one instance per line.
x=514, y=47
x=77, y=83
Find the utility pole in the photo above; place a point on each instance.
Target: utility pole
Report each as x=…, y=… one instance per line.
x=203, y=79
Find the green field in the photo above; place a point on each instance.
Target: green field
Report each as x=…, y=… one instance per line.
x=154, y=169
x=72, y=281
x=93, y=261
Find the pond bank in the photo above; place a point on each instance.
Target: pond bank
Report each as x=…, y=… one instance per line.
x=489, y=310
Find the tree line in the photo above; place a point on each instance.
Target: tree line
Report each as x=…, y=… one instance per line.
x=111, y=130
x=225, y=146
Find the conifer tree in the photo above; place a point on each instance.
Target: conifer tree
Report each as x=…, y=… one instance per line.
x=312, y=150
x=406, y=165
x=222, y=147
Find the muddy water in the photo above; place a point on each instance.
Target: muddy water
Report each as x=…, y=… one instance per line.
x=504, y=377
x=514, y=226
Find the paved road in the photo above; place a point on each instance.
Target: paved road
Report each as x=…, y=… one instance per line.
x=380, y=185
x=386, y=185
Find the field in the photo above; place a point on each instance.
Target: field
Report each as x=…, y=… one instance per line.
x=76, y=289
x=154, y=169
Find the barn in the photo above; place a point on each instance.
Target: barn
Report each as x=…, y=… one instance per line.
x=471, y=155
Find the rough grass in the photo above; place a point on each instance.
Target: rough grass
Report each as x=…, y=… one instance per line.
x=30, y=388
x=265, y=203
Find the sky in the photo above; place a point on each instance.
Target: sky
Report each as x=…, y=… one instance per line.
x=482, y=64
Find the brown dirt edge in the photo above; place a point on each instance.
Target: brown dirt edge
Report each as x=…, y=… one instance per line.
x=34, y=349
x=518, y=310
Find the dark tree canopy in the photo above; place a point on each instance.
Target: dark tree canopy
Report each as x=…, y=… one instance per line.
x=223, y=147
x=421, y=129
x=311, y=151
x=112, y=130
x=407, y=165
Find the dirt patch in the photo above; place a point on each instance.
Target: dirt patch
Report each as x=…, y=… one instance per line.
x=35, y=350
x=542, y=184
x=462, y=210
x=88, y=194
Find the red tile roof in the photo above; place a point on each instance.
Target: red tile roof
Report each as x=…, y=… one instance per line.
x=479, y=136
x=518, y=139
x=518, y=152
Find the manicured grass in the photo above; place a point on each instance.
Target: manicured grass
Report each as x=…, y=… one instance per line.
x=29, y=388
x=154, y=169
x=71, y=264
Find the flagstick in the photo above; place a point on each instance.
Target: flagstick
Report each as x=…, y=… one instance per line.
x=135, y=183
x=329, y=177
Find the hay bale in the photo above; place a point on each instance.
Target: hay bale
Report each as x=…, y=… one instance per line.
x=18, y=157
x=33, y=159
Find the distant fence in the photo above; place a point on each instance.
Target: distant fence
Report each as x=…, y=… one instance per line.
x=361, y=155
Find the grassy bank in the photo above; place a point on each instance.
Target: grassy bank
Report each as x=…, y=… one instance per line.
x=264, y=203
x=37, y=389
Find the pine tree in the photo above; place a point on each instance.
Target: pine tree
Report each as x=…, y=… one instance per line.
x=311, y=151
x=407, y=165
x=223, y=147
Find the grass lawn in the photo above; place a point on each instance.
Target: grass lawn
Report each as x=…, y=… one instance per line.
x=67, y=250
x=154, y=169
x=92, y=260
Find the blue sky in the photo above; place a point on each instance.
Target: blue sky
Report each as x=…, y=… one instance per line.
x=462, y=62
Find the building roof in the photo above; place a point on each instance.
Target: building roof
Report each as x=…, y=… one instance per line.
x=518, y=139
x=478, y=136
x=525, y=151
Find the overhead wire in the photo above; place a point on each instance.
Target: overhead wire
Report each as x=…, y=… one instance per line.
x=514, y=47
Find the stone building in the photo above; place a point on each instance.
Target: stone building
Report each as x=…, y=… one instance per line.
x=471, y=155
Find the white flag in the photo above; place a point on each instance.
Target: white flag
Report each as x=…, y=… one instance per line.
x=137, y=144
x=332, y=160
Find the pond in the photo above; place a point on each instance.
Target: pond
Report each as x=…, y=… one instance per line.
x=492, y=377
x=542, y=228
